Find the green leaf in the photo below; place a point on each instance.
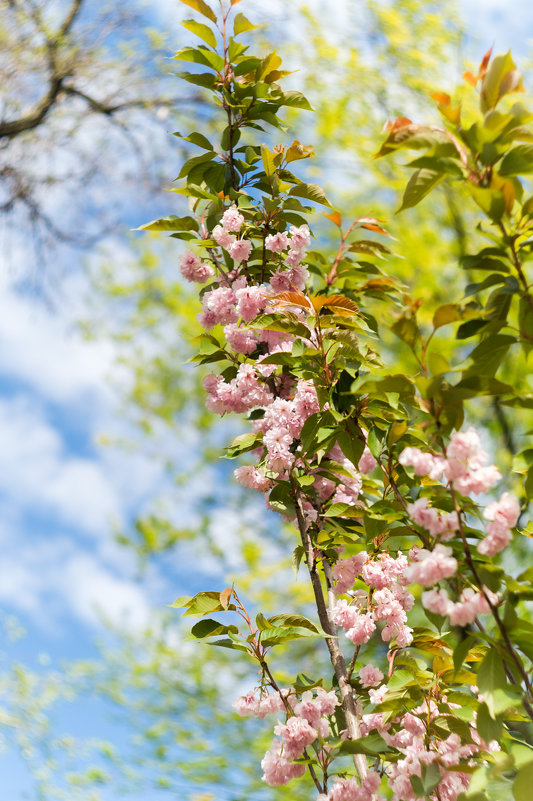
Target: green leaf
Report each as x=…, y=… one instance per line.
x=203, y=603
x=310, y=192
x=406, y=328
x=234, y=646
x=501, y=78
x=523, y=783
x=203, y=31
x=491, y=677
x=209, y=628
x=372, y=745
x=171, y=223
x=201, y=55
x=424, y=785
x=196, y=139
x=518, y=161
x=268, y=65
x=488, y=728
x=293, y=99
x=280, y=634
x=291, y=620
x=202, y=7
x=243, y=443
x=242, y=24
x=420, y=184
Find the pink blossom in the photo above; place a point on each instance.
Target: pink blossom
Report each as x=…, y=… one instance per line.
x=348, y=491
x=503, y=515
x=383, y=572
x=345, y=571
x=367, y=463
x=506, y=511
x=295, y=256
x=432, y=566
x=413, y=724
x=465, y=464
x=250, y=302
x=350, y=790
x=312, y=709
x=370, y=676
x=232, y=219
x=436, y=601
x=326, y=701
x=242, y=393
x=300, y=237
x=218, y=307
x=277, y=769
x=403, y=634
x=362, y=629
x=438, y=524
x=278, y=442
x=296, y=735
x=498, y=537
x=240, y=250
x=240, y=339
x=277, y=242
x=251, y=706
x=422, y=463
x=194, y=269
x=343, y=614
x=470, y=605
x=222, y=237
x=377, y=696
x=253, y=478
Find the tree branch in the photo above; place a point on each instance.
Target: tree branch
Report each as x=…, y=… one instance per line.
x=336, y=655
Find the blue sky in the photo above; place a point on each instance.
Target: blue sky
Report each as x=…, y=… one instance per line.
x=62, y=494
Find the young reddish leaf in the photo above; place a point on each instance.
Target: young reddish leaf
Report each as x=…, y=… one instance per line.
x=337, y=303
x=294, y=298
x=225, y=595
x=444, y=103
x=335, y=217
x=371, y=224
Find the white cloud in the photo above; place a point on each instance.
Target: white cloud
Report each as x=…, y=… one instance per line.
x=40, y=476
x=46, y=351
x=94, y=594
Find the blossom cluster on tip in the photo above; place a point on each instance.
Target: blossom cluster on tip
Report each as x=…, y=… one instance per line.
x=408, y=734
x=299, y=732
x=429, y=567
x=242, y=393
x=465, y=465
x=351, y=790
x=390, y=602
x=463, y=612
x=250, y=705
x=503, y=516
x=194, y=269
x=437, y=523
x=370, y=676
x=466, y=470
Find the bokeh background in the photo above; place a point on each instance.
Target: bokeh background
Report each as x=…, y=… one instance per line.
x=114, y=499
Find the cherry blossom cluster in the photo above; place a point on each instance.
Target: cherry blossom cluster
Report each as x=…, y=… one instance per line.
x=465, y=468
x=471, y=604
x=465, y=465
x=351, y=790
x=408, y=734
x=388, y=601
x=307, y=721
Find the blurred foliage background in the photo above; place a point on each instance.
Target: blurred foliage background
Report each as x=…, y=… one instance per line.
x=87, y=100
